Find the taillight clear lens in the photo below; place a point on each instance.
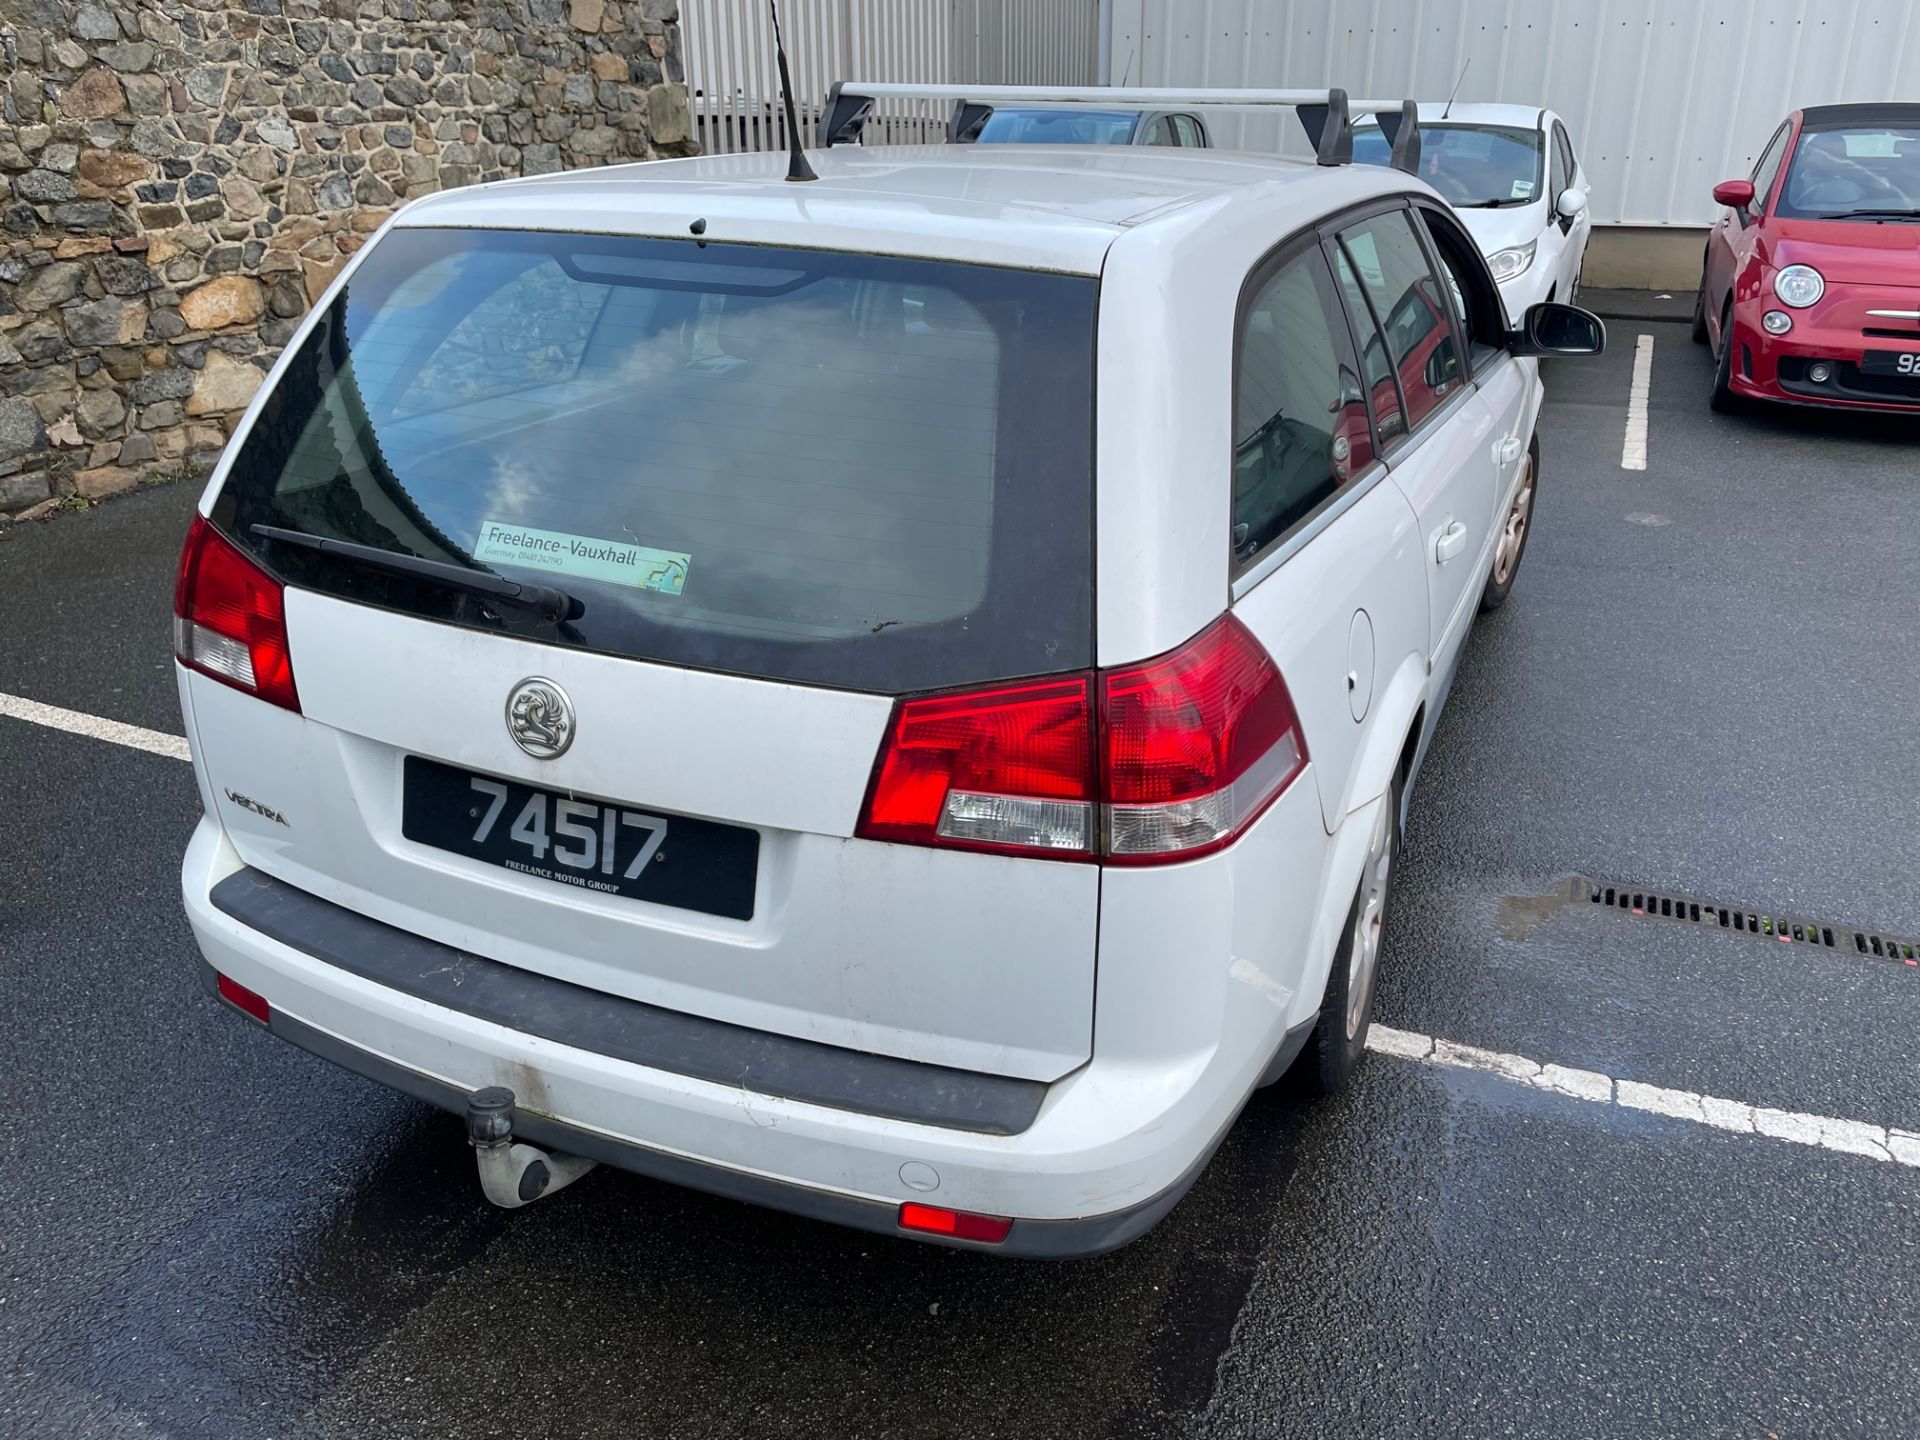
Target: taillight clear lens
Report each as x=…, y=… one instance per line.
x=1010, y=768
x=1191, y=748
x=230, y=620
x=1196, y=744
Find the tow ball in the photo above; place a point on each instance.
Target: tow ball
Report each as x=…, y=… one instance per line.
x=512, y=1174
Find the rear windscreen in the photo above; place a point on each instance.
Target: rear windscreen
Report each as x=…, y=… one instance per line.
x=840, y=469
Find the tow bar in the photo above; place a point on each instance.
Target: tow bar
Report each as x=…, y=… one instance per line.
x=513, y=1175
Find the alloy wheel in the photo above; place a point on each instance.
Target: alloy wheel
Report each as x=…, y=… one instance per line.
x=1513, y=534
x=1363, y=950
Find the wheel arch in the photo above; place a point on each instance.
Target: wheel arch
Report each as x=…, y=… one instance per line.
x=1398, y=719
x=1410, y=754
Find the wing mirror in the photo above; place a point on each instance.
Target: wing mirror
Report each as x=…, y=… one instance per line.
x=1555, y=329
x=1571, y=204
x=1734, y=194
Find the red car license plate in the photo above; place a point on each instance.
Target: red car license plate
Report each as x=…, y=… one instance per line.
x=1892, y=362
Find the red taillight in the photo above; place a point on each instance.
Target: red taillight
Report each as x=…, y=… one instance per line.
x=1196, y=744
x=230, y=620
x=1188, y=750
x=1008, y=768
x=245, y=1000
x=959, y=1224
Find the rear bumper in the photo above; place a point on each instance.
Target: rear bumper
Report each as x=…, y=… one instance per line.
x=1099, y=1158
x=1029, y=1239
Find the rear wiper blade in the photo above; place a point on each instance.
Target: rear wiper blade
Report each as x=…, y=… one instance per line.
x=547, y=599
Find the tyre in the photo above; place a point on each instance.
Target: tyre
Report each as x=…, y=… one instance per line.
x=1511, y=545
x=1700, y=335
x=1723, y=400
x=1339, y=1038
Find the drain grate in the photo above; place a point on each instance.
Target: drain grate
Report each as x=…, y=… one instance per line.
x=1664, y=905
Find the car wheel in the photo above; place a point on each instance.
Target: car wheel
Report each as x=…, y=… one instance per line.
x=1700, y=335
x=1346, y=1011
x=1723, y=400
x=1511, y=544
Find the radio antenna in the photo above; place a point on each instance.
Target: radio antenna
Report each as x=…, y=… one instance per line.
x=1456, y=84
x=797, y=166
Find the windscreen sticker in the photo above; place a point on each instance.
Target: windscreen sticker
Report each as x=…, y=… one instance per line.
x=1522, y=190
x=583, y=555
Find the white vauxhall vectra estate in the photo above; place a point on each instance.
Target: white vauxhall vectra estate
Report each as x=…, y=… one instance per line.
x=890, y=697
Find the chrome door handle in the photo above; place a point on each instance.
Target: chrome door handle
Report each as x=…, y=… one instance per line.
x=1449, y=543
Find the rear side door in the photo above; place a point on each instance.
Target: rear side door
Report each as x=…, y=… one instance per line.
x=1327, y=570
x=1444, y=462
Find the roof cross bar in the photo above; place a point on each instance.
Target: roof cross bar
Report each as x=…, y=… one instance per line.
x=1326, y=115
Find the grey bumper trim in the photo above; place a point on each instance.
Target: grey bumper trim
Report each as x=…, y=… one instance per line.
x=1029, y=1239
x=629, y=1030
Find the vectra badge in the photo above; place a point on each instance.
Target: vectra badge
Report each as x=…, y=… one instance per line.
x=540, y=718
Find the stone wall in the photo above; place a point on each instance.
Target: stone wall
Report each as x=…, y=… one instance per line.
x=179, y=179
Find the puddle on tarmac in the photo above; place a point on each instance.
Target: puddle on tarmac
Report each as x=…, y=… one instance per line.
x=1521, y=915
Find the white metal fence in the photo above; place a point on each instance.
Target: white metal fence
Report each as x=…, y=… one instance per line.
x=735, y=87
x=1663, y=97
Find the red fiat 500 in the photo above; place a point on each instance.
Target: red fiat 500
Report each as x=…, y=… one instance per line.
x=1810, y=293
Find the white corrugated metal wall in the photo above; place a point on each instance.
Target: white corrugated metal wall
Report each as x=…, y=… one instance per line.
x=734, y=86
x=1663, y=97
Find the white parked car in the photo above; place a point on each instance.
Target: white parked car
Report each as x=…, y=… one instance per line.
x=1512, y=173
x=1077, y=125
x=891, y=698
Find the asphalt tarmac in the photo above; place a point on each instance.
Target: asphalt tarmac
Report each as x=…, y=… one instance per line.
x=1706, y=681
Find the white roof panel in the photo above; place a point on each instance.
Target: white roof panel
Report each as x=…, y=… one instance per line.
x=1039, y=207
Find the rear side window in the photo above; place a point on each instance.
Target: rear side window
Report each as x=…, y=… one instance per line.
x=1410, y=307
x=1375, y=363
x=1300, y=417
x=841, y=469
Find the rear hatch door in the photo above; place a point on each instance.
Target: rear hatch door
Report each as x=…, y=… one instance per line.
x=749, y=497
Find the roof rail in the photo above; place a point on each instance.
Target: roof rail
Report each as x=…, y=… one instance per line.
x=1326, y=115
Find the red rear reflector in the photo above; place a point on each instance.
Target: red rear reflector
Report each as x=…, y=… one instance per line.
x=230, y=619
x=959, y=1224
x=1008, y=768
x=1192, y=747
x=238, y=995
x=1196, y=744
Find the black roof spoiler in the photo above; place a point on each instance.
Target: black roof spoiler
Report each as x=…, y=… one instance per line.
x=1326, y=115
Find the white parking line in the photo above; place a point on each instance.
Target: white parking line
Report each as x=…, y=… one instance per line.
x=1633, y=453
x=155, y=742
x=1849, y=1137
